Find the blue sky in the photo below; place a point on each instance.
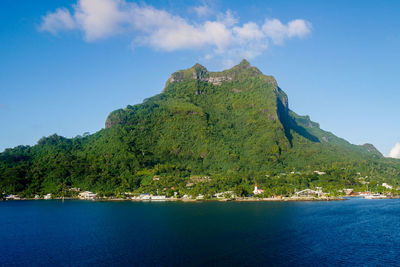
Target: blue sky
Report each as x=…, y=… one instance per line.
x=64, y=65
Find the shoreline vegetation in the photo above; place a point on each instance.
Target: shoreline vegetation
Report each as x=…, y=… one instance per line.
x=250, y=199
x=256, y=195
x=239, y=199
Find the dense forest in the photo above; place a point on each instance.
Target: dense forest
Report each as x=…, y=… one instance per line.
x=207, y=132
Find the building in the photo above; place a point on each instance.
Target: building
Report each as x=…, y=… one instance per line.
x=158, y=198
x=12, y=197
x=144, y=197
x=387, y=186
x=87, y=195
x=228, y=194
x=319, y=173
x=309, y=193
x=48, y=196
x=257, y=191
x=349, y=192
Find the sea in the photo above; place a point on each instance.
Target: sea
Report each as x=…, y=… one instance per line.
x=355, y=232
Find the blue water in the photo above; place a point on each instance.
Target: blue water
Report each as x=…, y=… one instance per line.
x=357, y=232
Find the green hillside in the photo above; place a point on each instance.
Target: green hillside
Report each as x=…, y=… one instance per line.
x=206, y=132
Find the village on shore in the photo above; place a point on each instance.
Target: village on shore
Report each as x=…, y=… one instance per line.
x=316, y=194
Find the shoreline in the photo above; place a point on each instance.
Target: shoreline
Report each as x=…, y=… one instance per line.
x=284, y=199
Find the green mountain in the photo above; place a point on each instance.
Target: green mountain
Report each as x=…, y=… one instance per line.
x=206, y=132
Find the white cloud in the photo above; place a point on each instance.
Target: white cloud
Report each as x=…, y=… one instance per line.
x=161, y=30
x=249, y=31
x=279, y=32
x=395, y=152
x=164, y=31
x=203, y=11
x=298, y=28
x=227, y=18
x=60, y=20
x=101, y=18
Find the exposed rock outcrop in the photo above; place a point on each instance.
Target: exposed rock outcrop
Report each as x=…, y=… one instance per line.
x=238, y=72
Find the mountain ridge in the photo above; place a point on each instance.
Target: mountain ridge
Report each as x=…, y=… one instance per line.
x=245, y=70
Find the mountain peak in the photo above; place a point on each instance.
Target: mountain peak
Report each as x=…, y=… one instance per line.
x=239, y=72
x=244, y=68
x=244, y=63
x=198, y=66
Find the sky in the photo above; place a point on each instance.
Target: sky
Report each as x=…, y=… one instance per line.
x=66, y=64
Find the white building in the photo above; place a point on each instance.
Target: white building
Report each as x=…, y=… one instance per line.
x=48, y=196
x=319, y=173
x=87, y=195
x=158, y=198
x=387, y=186
x=13, y=197
x=224, y=194
x=309, y=193
x=144, y=197
x=257, y=191
x=348, y=191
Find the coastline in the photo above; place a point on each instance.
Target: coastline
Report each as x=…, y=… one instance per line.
x=244, y=199
x=250, y=199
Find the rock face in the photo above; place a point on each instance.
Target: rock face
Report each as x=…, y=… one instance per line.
x=108, y=123
x=372, y=149
x=218, y=80
x=199, y=72
x=116, y=117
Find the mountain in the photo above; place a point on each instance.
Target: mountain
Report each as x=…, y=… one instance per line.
x=233, y=127
x=222, y=103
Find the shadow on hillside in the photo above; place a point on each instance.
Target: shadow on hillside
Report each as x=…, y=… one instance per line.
x=290, y=124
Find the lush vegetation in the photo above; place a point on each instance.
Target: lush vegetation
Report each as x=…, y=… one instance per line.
x=200, y=137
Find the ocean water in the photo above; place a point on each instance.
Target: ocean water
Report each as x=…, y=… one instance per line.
x=356, y=232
